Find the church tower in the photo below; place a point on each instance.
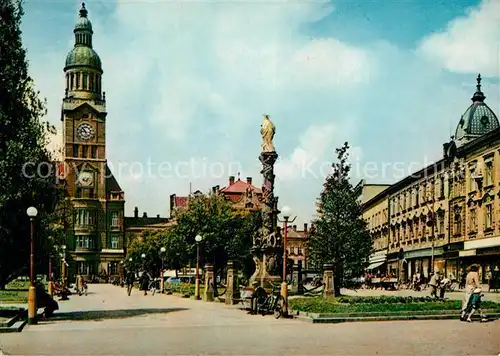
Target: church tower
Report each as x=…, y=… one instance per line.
x=96, y=237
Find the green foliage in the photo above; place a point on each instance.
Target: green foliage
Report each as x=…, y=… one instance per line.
x=23, y=138
x=340, y=235
x=226, y=236
x=378, y=304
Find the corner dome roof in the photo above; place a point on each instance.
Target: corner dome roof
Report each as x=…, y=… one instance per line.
x=477, y=120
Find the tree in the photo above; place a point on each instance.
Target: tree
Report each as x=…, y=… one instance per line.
x=227, y=235
x=340, y=234
x=26, y=170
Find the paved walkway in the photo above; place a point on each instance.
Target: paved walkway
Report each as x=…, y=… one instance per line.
x=108, y=322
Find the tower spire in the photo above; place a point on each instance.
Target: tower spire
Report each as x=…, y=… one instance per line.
x=478, y=95
x=83, y=11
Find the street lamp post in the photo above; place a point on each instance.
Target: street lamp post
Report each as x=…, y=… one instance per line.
x=198, y=239
x=32, y=213
x=51, y=287
x=286, y=212
x=162, y=252
x=64, y=271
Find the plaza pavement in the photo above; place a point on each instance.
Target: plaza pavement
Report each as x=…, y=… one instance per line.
x=108, y=322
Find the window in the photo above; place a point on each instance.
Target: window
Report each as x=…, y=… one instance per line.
x=84, y=217
x=85, y=151
x=77, y=75
x=441, y=187
x=85, y=82
x=76, y=150
x=299, y=251
x=488, y=173
x=403, y=198
x=114, y=218
x=417, y=195
x=114, y=241
x=473, y=220
x=488, y=216
x=457, y=224
x=84, y=241
x=94, y=152
x=84, y=268
x=472, y=173
x=91, y=81
x=441, y=224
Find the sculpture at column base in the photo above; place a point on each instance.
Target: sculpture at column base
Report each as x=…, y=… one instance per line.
x=266, y=267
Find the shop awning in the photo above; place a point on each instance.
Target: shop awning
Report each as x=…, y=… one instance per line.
x=375, y=265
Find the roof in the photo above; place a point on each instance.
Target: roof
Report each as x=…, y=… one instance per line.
x=111, y=183
x=83, y=54
x=180, y=201
x=240, y=187
x=477, y=120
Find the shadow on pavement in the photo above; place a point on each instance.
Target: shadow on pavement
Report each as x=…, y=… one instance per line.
x=97, y=315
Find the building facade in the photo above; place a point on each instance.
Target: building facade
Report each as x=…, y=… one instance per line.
x=96, y=234
x=446, y=216
x=297, y=245
x=243, y=195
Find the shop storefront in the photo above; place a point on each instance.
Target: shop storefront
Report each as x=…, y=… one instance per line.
x=419, y=261
x=378, y=262
x=483, y=252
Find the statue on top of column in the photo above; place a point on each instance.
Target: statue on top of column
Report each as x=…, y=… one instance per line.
x=267, y=131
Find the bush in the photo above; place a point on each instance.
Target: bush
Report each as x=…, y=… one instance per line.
x=378, y=304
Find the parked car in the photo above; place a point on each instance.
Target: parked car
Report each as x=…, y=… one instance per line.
x=181, y=279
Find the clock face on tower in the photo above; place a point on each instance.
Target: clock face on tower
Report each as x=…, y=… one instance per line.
x=85, y=132
x=85, y=179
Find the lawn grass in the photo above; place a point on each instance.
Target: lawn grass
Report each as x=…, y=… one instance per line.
x=16, y=292
x=377, y=304
x=13, y=297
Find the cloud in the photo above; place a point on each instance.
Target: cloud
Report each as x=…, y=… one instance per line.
x=189, y=81
x=470, y=43
x=306, y=159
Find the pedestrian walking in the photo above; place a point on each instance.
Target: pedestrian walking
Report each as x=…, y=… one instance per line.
x=130, y=279
x=144, y=281
x=471, y=283
x=434, y=283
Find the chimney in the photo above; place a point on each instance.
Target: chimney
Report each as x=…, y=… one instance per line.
x=144, y=215
x=136, y=212
x=294, y=227
x=231, y=180
x=305, y=227
x=158, y=216
x=172, y=203
x=249, y=180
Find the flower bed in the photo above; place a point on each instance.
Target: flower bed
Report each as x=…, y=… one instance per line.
x=378, y=304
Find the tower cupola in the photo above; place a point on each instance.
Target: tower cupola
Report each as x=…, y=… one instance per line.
x=83, y=67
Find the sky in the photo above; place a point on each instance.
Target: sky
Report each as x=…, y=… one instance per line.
x=187, y=83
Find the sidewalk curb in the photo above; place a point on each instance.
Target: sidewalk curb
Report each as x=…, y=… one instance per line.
x=336, y=320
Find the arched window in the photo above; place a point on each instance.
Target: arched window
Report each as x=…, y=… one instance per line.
x=85, y=85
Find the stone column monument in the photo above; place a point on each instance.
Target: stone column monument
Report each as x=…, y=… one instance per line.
x=208, y=293
x=267, y=247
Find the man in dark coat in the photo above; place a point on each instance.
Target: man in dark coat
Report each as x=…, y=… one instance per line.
x=144, y=280
x=129, y=280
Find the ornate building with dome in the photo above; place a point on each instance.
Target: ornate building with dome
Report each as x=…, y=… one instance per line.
x=446, y=216
x=96, y=233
